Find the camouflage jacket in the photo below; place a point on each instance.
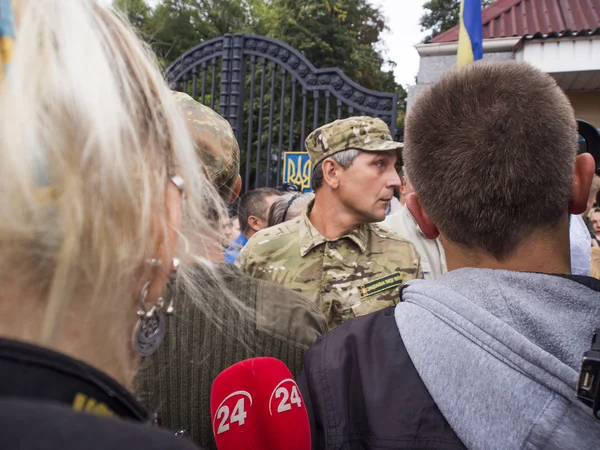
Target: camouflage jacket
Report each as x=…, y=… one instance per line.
x=354, y=275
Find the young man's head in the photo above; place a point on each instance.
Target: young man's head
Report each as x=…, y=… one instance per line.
x=491, y=151
x=354, y=166
x=253, y=210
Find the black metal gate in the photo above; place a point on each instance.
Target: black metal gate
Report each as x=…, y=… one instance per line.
x=230, y=73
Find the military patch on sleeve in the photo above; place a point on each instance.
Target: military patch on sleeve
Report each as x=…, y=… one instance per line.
x=380, y=285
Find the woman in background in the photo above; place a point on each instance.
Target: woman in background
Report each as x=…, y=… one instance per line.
x=96, y=172
x=288, y=206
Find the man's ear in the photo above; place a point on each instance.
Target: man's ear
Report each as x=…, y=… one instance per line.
x=254, y=223
x=235, y=192
x=425, y=224
x=583, y=173
x=331, y=175
x=403, y=185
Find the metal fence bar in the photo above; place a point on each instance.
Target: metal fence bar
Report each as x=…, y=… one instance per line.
x=225, y=77
x=271, y=113
x=203, y=82
x=214, y=82
x=316, y=110
x=292, y=115
x=327, y=100
x=303, y=129
x=236, y=89
x=250, y=123
x=339, y=109
x=260, y=120
x=195, y=83
x=281, y=116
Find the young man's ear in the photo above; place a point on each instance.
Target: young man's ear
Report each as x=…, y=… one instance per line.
x=583, y=173
x=425, y=224
x=255, y=223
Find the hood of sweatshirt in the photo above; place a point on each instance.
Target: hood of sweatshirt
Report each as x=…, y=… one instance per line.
x=500, y=352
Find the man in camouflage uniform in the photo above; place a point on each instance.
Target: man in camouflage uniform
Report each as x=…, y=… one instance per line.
x=220, y=153
x=212, y=333
x=334, y=253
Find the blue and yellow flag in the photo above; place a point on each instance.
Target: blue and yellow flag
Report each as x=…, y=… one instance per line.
x=470, y=36
x=7, y=36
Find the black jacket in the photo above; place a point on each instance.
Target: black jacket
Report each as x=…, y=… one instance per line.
x=50, y=401
x=363, y=392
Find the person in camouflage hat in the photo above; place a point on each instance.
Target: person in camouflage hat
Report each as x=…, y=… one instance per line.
x=334, y=253
x=267, y=320
x=367, y=134
x=216, y=145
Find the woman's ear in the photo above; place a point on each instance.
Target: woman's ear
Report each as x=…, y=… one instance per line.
x=428, y=228
x=166, y=246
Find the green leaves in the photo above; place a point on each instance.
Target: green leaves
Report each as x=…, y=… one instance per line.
x=441, y=15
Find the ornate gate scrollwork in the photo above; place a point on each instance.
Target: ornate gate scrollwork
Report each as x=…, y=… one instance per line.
x=239, y=67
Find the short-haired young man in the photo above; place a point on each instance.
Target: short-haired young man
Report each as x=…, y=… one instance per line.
x=253, y=211
x=488, y=355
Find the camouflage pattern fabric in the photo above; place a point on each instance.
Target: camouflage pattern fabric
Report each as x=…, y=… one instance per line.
x=352, y=276
x=360, y=133
x=215, y=143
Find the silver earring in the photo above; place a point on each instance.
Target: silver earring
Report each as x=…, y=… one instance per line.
x=171, y=308
x=151, y=327
x=154, y=262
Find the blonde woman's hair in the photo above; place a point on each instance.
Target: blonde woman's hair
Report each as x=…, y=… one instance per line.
x=89, y=134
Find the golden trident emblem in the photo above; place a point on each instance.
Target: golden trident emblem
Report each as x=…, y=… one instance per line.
x=297, y=169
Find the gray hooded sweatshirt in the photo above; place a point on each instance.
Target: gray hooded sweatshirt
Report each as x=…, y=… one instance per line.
x=500, y=352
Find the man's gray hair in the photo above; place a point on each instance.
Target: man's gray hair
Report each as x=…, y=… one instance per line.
x=344, y=159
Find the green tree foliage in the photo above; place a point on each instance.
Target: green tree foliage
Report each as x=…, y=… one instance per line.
x=441, y=15
x=137, y=11
x=330, y=33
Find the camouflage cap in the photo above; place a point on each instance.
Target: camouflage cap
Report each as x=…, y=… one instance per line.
x=214, y=141
x=364, y=133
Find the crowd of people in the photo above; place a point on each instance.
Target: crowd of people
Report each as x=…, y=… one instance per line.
x=454, y=316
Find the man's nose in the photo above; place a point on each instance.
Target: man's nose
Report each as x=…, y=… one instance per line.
x=393, y=180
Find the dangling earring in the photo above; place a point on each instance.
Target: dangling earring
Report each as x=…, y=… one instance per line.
x=171, y=308
x=151, y=327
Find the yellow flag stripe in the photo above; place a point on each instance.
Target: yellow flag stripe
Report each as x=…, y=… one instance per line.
x=465, y=48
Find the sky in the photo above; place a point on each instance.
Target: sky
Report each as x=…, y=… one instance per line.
x=399, y=43
x=404, y=33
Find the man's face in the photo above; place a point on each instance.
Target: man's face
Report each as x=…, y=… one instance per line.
x=595, y=218
x=367, y=186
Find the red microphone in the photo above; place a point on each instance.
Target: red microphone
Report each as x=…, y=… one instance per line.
x=256, y=404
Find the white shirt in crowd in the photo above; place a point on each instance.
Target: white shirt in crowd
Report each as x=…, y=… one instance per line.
x=433, y=258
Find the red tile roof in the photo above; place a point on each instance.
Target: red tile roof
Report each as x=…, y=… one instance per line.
x=517, y=18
